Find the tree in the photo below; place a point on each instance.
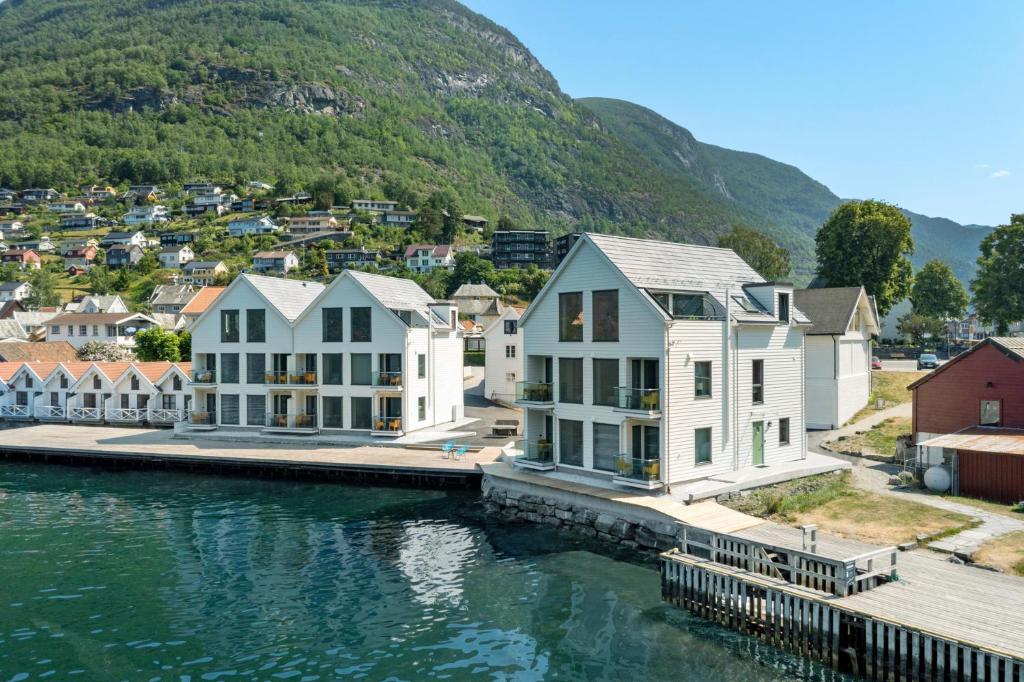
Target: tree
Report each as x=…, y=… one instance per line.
x=470, y=269
x=867, y=243
x=99, y=280
x=44, y=290
x=770, y=260
x=998, y=286
x=920, y=327
x=156, y=343
x=316, y=263
x=185, y=345
x=97, y=351
x=937, y=292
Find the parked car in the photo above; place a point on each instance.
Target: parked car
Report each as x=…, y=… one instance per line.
x=927, y=361
x=875, y=362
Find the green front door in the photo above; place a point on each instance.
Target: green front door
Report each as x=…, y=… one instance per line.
x=758, y=438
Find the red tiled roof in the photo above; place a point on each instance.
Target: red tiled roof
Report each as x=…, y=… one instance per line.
x=202, y=300
x=43, y=351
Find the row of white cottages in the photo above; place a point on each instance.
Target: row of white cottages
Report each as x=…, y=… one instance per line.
x=95, y=392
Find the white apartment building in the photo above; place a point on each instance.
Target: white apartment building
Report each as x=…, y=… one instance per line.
x=312, y=223
x=79, y=329
x=374, y=205
x=368, y=354
x=426, y=257
x=93, y=392
x=503, y=357
x=654, y=364
x=838, y=352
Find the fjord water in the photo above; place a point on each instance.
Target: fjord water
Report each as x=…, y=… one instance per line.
x=144, y=575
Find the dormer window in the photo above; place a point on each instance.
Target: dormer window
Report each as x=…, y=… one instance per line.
x=97, y=383
x=783, y=307
x=135, y=383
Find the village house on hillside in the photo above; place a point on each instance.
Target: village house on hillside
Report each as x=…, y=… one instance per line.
x=521, y=248
x=368, y=353
x=503, y=357
x=175, y=256
x=479, y=303
x=25, y=259
x=119, y=237
x=838, y=352
x=255, y=225
x=280, y=262
x=426, y=257
x=203, y=273
x=14, y=291
x=339, y=259
x=79, y=329
x=651, y=364
x=146, y=215
x=969, y=417
x=123, y=256
x=170, y=299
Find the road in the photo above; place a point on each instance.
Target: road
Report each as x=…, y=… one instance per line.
x=903, y=365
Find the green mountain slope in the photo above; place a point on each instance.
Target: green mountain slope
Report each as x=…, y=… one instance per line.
x=383, y=97
x=766, y=190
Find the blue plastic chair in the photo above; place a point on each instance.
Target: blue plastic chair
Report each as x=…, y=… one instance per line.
x=447, y=448
x=461, y=452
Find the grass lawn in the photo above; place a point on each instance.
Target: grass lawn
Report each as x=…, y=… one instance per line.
x=985, y=505
x=839, y=508
x=890, y=387
x=1005, y=553
x=879, y=442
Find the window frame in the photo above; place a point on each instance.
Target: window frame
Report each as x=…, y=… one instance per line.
x=562, y=441
x=561, y=381
x=421, y=365
x=226, y=378
x=999, y=406
x=353, y=328
x=511, y=327
x=697, y=458
x=784, y=430
x=784, y=307
x=596, y=321
x=229, y=333
x=757, y=381
x=613, y=399
x=250, y=315
x=594, y=450
x=327, y=332
x=698, y=380
x=565, y=325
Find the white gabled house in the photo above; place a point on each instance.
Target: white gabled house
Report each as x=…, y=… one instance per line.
x=653, y=364
x=838, y=352
x=503, y=356
x=255, y=225
x=368, y=354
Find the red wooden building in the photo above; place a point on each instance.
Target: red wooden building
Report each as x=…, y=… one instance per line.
x=969, y=414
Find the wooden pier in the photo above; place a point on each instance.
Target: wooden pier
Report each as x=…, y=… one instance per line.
x=879, y=634
x=157, y=448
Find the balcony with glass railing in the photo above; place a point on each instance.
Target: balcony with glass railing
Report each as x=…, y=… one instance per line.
x=387, y=425
x=538, y=454
x=306, y=377
x=292, y=421
x=204, y=376
x=647, y=400
x=534, y=393
x=638, y=472
x=277, y=376
x=202, y=420
x=388, y=379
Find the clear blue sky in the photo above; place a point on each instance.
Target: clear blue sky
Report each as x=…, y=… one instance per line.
x=918, y=103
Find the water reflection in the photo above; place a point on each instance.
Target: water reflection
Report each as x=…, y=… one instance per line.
x=144, y=575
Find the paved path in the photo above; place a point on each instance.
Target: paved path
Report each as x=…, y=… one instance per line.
x=874, y=476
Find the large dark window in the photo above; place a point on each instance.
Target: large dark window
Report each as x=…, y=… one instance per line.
x=361, y=324
x=362, y=413
x=334, y=325
x=570, y=380
x=757, y=382
x=606, y=315
x=229, y=368
x=783, y=307
x=606, y=380
x=333, y=364
x=702, y=379
x=570, y=316
x=702, y=446
x=333, y=412
x=229, y=408
x=255, y=368
x=229, y=326
x=256, y=325
x=255, y=410
x=606, y=446
x=570, y=442
x=362, y=369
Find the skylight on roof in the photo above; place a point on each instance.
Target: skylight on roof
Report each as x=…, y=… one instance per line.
x=745, y=303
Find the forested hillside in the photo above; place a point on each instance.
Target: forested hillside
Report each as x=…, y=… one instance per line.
x=394, y=98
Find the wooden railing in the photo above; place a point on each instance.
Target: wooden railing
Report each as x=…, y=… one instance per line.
x=50, y=412
x=87, y=413
x=165, y=416
x=832, y=575
x=15, y=411
x=126, y=414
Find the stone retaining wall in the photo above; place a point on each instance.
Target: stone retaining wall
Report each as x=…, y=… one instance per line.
x=635, y=528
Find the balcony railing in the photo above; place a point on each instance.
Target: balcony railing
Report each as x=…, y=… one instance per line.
x=387, y=379
x=15, y=411
x=276, y=377
x=541, y=452
x=290, y=421
x=202, y=418
x=166, y=416
x=204, y=376
x=304, y=377
x=387, y=424
x=639, y=399
x=638, y=468
x=84, y=413
x=126, y=414
x=50, y=412
x=534, y=392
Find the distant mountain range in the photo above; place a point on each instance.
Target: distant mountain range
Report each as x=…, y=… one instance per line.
x=396, y=98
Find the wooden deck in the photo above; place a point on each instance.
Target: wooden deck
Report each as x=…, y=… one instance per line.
x=158, y=447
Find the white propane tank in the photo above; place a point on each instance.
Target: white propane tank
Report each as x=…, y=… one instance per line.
x=937, y=479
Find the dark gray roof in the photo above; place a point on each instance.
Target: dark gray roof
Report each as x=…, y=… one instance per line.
x=11, y=286
x=830, y=310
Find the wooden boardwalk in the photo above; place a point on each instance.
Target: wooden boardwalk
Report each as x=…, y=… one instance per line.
x=158, y=447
